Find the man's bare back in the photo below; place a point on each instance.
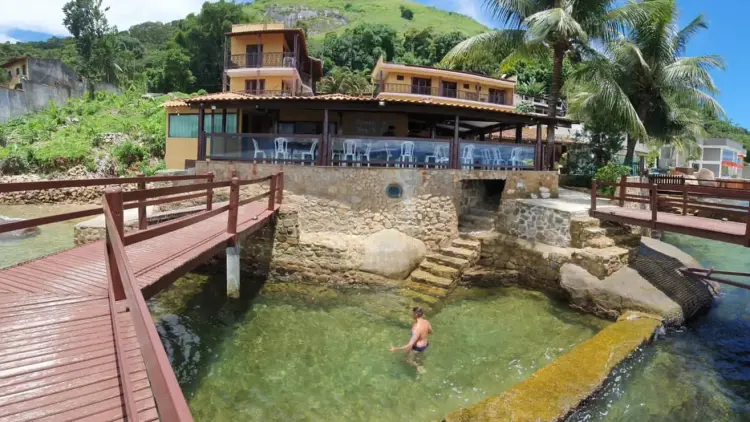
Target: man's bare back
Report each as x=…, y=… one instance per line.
x=420, y=332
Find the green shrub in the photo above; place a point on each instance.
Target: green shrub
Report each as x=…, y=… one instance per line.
x=611, y=173
x=150, y=169
x=129, y=153
x=14, y=160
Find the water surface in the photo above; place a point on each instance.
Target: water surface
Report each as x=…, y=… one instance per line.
x=317, y=354
x=53, y=238
x=700, y=372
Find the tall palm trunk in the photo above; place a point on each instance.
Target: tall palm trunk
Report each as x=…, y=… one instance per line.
x=554, y=96
x=632, y=141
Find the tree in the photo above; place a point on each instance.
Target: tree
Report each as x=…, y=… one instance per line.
x=544, y=29
x=359, y=48
x=96, y=44
x=172, y=72
x=644, y=84
x=345, y=81
x=201, y=36
x=406, y=12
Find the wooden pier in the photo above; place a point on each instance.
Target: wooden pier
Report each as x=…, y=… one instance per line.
x=76, y=339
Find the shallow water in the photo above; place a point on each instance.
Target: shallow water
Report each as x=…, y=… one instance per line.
x=318, y=354
x=698, y=373
x=53, y=238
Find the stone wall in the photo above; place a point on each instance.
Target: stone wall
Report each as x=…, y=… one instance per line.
x=353, y=201
x=534, y=222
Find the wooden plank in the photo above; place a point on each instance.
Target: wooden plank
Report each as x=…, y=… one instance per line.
x=77, y=183
x=174, y=190
x=172, y=226
x=40, y=221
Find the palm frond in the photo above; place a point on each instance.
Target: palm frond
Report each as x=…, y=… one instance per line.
x=494, y=44
x=512, y=13
x=554, y=23
x=686, y=33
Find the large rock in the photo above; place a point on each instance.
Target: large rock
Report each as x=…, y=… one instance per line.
x=705, y=177
x=625, y=290
x=17, y=234
x=392, y=254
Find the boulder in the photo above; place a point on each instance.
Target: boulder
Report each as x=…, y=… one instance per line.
x=625, y=290
x=392, y=254
x=17, y=234
x=705, y=176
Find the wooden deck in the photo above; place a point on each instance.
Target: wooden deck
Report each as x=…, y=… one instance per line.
x=58, y=357
x=725, y=231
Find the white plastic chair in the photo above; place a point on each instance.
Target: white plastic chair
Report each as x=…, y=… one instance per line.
x=407, y=153
x=258, y=151
x=350, y=150
x=467, y=156
x=310, y=153
x=486, y=158
x=439, y=155
x=515, y=158
x=281, y=148
x=366, y=154
x=497, y=158
x=388, y=154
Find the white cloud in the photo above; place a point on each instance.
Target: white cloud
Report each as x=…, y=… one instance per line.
x=46, y=15
x=7, y=38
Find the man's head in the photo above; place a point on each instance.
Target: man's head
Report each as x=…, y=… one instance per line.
x=417, y=312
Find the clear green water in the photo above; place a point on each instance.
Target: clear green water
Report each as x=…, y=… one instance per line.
x=53, y=238
x=297, y=353
x=700, y=372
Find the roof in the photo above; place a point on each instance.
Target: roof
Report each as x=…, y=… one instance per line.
x=175, y=103
x=343, y=98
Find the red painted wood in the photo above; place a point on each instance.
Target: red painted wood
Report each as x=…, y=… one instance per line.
x=65, y=354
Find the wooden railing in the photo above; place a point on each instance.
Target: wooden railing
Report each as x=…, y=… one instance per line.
x=402, y=88
x=690, y=198
x=677, y=179
x=253, y=60
x=141, y=182
x=123, y=285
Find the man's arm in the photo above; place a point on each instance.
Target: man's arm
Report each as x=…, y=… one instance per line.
x=409, y=345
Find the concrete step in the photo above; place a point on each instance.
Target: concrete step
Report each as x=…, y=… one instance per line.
x=466, y=254
x=427, y=289
x=630, y=240
x=469, y=244
x=418, y=297
x=424, y=277
x=481, y=212
x=439, y=270
x=601, y=262
x=448, y=261
x=476, y=219
x=599, y=242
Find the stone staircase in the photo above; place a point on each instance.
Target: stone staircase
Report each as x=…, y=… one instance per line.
x=438, y=273
x=477, y=219
x=604, y=247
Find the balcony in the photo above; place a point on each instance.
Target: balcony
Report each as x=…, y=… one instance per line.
x=541, y=104
x=288, y=92
x=256, y=60
x=443, y=92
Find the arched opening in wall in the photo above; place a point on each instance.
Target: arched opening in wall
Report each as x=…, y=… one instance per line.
x=480, y=202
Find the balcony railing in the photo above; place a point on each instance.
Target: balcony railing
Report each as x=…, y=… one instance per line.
x=493, y=156
x=389, y=152
x=288, y=92
x=443, y=92
x=265, y=147
x=253, y=60
x=369, y=151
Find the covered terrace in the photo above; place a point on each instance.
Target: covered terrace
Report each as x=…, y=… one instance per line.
x=341, y=130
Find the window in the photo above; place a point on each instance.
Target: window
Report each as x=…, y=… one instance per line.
x=466, y=86
x=448, y=89
x=186, y=125
x=728, y=155
x=497, y=96
x=18, y=71
x=10, y=74
x=255, y=86
x=421, y=86
x=23, y=70
x=399, y=77
x=305, y=128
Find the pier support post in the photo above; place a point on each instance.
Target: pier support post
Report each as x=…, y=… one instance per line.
x=233, y=269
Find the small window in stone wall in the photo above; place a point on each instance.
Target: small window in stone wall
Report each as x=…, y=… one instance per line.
x=394, y=191
x=399, y=77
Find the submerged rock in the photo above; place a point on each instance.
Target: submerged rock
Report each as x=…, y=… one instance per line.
x=392, y=254
x=17, y=234
x=624, y=290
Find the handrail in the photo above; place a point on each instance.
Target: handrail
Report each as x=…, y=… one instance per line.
x=40, y=221
x=169, y=399
x=155, y=193
x=77, y=183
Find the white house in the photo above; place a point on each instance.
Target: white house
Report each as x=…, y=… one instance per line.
x=724, y=157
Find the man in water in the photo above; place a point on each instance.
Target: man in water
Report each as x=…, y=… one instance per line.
x=419, y=341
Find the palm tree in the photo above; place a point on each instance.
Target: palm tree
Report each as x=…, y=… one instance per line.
x=644, y=84
x=544, y=28
x=343, y=80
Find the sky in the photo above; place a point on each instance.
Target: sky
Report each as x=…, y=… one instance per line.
x=41, y=19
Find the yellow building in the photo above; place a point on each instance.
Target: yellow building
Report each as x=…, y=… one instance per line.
x=16, y=68
x=269, y=111
x=398, y=81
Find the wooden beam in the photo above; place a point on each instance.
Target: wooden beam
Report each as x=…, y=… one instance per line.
x=325, y=147
x=539, y=152
x=223, y=120
x=201, y=132
x=455, y=145
x=519, y=133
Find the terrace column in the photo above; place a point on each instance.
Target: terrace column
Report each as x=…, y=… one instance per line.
x=519, y=133
x=325, y=144
x=455, y=146
x=539, y=154
x=201, y=133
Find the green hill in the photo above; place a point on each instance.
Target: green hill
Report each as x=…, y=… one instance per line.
x=335, y=15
